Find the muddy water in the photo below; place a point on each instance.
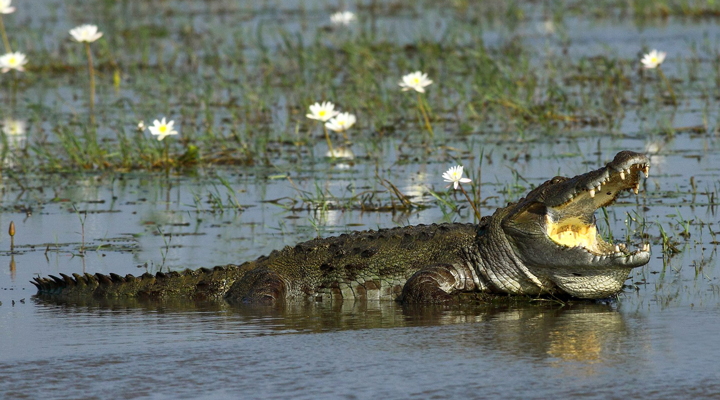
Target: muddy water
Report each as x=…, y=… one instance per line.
x=658, y=340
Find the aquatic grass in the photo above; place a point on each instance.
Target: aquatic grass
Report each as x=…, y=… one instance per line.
x=215, y=199
x=647, y=10
x=609, y=235
x=668, y=243
x=82, y=227
x=683, y=223
x=406, y=203
x=166, y=248
x=258, y=88
x=444, y=205
x=74, y=148
x=321, y=198
x=231, y=193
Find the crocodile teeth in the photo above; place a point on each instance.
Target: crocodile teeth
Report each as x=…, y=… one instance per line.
x=622, y=175
x=592, y=192
x=617, y=248
x=646, y=170
x=646, y=247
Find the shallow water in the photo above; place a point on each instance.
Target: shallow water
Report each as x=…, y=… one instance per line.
x=657, y=340
x=588, y=350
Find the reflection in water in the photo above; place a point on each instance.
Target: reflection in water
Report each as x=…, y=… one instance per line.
x=584, y=332
x=655, y=150
x=341, y=152
x=14, y=140
x=13, y=271
x=344, y=157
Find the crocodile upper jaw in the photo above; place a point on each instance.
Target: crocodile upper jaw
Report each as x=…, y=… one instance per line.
x=554, y=226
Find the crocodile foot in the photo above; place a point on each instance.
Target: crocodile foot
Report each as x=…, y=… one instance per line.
x=436, y=284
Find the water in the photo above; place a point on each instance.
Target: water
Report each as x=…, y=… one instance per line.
x=657, y=340
x=588, y=350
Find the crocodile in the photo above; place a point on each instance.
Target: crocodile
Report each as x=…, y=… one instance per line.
x=545, y=244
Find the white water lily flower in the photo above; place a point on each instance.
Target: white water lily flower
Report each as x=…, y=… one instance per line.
x=162, y=129
x=653, y=59
x=415, y=81
x=5, y=7
x=322, y=112
x=14, y=61
x=454, y=176
x=13, y=127
x=341, y=123
x=86, y=33
x=342, y=18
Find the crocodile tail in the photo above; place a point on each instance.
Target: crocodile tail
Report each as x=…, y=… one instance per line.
x=199, y=284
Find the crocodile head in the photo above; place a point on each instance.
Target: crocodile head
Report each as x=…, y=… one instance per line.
x=553, y=232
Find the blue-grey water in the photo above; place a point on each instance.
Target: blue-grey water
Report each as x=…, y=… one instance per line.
x=657, y=340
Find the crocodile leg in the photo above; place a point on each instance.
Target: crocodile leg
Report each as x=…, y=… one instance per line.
x=258, y=286
x=438, y=284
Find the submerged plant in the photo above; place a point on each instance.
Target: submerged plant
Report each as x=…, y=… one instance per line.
x=652, y=60
x=454, y=175
x=417, y=81
x=323, y=112
x=88, y=34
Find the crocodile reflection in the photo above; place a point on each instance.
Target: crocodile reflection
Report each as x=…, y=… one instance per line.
x=587, y=332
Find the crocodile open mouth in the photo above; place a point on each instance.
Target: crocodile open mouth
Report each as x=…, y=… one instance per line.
x=570, y=219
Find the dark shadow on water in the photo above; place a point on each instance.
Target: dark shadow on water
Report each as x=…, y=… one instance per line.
x=577, y=331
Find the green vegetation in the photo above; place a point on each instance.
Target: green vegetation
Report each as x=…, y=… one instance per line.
x=239, y=87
